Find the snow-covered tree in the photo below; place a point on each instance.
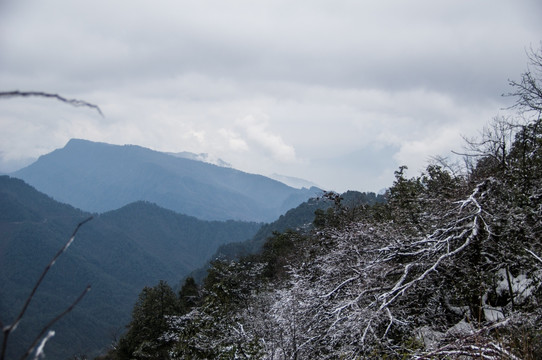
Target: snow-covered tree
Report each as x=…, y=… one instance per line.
x=143, y=339
x=450, y=267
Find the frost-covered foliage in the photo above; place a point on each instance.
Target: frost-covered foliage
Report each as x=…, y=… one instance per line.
x=441, y=271
x=449, y=268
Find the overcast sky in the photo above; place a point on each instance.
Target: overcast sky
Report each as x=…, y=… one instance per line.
x=340, y=93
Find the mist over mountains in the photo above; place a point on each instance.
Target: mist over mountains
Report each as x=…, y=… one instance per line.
x=100, y=177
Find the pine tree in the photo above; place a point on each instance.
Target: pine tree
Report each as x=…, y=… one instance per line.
x=144, y=338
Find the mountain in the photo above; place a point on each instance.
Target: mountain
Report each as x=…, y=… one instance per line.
x=99, y=177
x=201, y=157
x=293, y=181
x=117, y=253
x=298, y=219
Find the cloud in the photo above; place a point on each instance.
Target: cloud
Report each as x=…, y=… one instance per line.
x=256, y=130
x=234, y=140
x=312, y=89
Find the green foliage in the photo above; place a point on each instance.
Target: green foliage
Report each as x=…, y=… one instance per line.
x=525, y=158
x=403, y=199
x=314, y=212
x=278, y=252
x=347, y=207
x=189, y=295
x=299, y=218
x=229, y=285
x=149, y=322
x=213, y=330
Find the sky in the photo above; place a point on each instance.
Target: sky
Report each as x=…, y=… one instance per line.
x=340, y=93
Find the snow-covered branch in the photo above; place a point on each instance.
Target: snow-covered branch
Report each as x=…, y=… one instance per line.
x=438, y=245
x=534, y=255
x=476, y=344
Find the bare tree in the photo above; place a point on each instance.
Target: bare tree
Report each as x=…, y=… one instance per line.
x=528, y=90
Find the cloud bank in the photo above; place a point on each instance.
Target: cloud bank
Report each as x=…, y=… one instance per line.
x=340, y=93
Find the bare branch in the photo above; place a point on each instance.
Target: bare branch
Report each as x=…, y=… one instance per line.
x=9, y=328
x=73, y=102
x=39, y=351
x=528, y=90
x=53, y=321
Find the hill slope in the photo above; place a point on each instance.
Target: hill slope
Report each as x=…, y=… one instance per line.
x=300, y=219
x=100, y=177
x=117, y=253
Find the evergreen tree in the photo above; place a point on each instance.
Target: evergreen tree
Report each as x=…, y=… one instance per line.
x=189, y=296
x=144, y=338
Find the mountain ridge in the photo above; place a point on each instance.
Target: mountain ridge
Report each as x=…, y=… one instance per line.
x=99, y=177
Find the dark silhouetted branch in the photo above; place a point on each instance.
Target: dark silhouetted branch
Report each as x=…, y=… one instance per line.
x=74, y=102
x=52, y=322
x=9, y=328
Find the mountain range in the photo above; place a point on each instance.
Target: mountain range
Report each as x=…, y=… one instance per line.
x=99, y=177
x=118, y=253
x=156, y=216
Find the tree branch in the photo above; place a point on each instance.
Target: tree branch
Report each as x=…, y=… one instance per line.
x=533, y=254
x=73, y=102
x=53, y=321
x=9, y=328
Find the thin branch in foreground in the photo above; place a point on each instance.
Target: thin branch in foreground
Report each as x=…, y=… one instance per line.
x=11, y=327
x=46, y=270
x=39, y=351
x=73, y=102
x=52, y=322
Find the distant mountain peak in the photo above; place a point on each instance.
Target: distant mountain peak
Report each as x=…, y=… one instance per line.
x=294, y=182
x=99, y=177
x=76, y=142
x=203, y=157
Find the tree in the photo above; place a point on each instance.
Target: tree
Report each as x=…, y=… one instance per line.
x=189, y=295
x=143, y=339
x=217, y=327
x=528, y=90
x=449, y=267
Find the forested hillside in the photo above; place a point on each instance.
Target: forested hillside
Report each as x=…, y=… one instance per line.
x=450, y=267
x=117, y=254
x=300, y=219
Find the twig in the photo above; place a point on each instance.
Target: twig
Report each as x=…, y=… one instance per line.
x=39, y=351
x=9, y=328
x=53, y=321
x=74, y=102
